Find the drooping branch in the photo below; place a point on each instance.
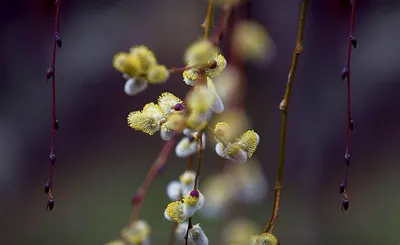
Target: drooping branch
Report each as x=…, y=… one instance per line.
x=345, y=74
x=284, y=106
x=57, y=41
x=161, y=160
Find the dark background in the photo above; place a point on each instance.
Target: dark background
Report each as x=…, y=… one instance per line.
x=101, y=161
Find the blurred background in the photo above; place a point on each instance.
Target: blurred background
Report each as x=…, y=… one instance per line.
x=101, y=161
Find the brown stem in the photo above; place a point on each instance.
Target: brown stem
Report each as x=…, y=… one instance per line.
x=284, y=108
x=54, y=121
x=200, y=159
x=190, y=162
x=221, y=26
x=349, y=126
x=190, y=226
x=208, y=21
x=138, y=199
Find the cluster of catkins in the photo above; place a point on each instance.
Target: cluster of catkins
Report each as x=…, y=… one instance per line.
x=191, y=117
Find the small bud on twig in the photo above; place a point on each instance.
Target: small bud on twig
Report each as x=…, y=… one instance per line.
x=351, y=124
x=59, y=41
x=50, y=204
x=345, y=205
x=52, y=158
x=49, y=73
x=344, y=73
x=47, y=188
x=342, y=187
x=56, y=124
x=347, y=158
x=353, y=41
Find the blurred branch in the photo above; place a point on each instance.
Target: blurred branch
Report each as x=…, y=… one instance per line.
x=161, y=160
x=284, y=108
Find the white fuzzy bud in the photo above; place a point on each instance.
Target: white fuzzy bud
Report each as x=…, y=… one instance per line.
x=180, y=231
x=135, y=85
x=166, y=134
x=197, y=236
x=174, y=190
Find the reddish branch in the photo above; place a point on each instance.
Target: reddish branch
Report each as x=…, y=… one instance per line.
x=345, y=74
x=161, y=160
x=57, y=41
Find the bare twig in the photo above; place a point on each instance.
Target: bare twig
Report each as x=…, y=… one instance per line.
x=345, y=74
x=57, y=41
x=138, y=199
x=284, y=108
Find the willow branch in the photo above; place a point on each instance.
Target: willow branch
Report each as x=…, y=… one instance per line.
x=161, y=160
x=284, y=106
x=350, y=123
x=54, y=122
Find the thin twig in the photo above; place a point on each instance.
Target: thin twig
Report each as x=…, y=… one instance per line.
x=138, y=199
x=350, y=124
x=284, y=108
x=200, y=159
x=54, y=121
x=219, y=32
x=208, y=21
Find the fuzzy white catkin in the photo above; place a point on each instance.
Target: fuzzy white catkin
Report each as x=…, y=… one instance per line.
x=174, y=190
x=197, y=236
x=186, y=148
x=220, y=150
x=253, y=190
x=166, y=135
x=218, y=106
x=180, y=231
x=134, y=86
x=189, y=210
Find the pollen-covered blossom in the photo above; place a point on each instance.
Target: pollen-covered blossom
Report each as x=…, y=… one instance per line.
x=127, y=64
x=189, y=145
x=139, y=67
x=154, y=117
x=213, y=68
x=145, y=55
x=220, y=191
x=197, y=236
x=148, y=120
x=264, y=239
x=168, y=102
x=138, y=233
x=241, y=149
x=255, y=48
x=174, y=212
x=187, y=180
x=200, y=99
x=193, y=202
x=157, y=74
x=200, y=52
